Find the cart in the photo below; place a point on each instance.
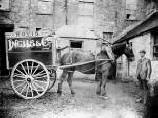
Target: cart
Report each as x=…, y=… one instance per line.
x=31, y=59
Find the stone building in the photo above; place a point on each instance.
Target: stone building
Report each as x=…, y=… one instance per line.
x=107, y=18
x=142, y=35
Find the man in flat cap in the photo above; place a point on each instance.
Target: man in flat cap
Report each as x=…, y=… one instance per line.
x=143, y=73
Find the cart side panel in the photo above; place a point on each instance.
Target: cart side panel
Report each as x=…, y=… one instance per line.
x=38, y=48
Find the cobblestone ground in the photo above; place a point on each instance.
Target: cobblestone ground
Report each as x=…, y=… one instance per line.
x=85, y=103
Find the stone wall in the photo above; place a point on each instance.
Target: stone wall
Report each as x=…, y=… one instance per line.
x=144, y=41
x=88, y=44
x=25, y=15
x=139, y=43
x=109, y=15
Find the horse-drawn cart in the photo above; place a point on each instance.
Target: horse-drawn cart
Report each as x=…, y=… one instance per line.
x=31, y=57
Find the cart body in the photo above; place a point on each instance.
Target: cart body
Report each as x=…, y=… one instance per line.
x=30, y=45
x=31, y=57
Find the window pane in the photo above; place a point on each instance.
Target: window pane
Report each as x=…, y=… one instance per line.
x=131, y=1
x=85, y=8
x=76, y=44
x=4, y=5
x=107, y=35
x=45, y=7
x=85, y=21
x=156, y=39
x=155, y=47
x=131, y=4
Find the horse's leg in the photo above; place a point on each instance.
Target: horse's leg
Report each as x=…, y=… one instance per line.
x=103, y=86
x=63, y=76
x=99, y=83
x=69, y=80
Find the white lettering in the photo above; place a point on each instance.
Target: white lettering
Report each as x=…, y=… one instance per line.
x=23, y=44
x=10, y=45
x=44, y=42
x=38, y=44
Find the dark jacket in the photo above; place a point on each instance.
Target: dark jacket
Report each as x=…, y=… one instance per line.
x=143, y=68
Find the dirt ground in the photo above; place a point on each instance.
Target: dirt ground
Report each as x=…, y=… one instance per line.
x=85, y=103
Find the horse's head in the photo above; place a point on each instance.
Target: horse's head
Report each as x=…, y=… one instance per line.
x=104, y=45
x=123, y=48
x=128, y=51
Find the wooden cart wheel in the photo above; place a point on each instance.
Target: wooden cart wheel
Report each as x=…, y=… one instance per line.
x=52, y=79
x=30, y=79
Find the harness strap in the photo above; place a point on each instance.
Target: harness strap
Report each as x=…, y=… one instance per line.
x=106, y=61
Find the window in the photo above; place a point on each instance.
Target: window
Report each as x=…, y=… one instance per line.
x=155, y=44
x=85, y=21
x=5, y=5
x=86, y=13
x=37, y=29
x=45, y=7
x=76, y=44
x=151, y=6
x=85, y=8
x=107, y=35
x=131, y=8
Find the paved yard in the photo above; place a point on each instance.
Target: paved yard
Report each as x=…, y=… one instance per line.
x=85, y=103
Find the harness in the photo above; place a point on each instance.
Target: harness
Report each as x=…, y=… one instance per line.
x=72, y=69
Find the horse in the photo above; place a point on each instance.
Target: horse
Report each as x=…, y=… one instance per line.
x=107, y=70
x=101, y=67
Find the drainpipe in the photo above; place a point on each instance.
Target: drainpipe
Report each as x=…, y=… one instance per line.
x=66, y=12
x=128, y=67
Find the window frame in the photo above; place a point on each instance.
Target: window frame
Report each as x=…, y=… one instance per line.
x=155, y=45
x=8, y=8
x=130, y=11
x=47, y=3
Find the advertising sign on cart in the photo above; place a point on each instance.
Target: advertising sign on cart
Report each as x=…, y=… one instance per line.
x=31, y=56
x=29, y=45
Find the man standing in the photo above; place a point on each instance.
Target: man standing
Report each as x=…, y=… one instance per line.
x=143, y=73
